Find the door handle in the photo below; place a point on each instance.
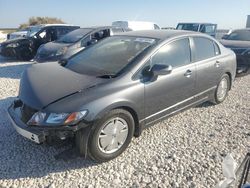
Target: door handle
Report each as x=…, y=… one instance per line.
x=188, y=73
x=217, y=64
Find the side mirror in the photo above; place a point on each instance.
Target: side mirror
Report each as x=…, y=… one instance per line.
x=160, y=69
x=92, y=41
x=225, y=36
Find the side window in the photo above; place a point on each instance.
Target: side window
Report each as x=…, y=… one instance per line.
x=216, y=49
x=176, y=54
x=42, y=35
x=209, y=28
x=204, y=48
x=156, y=26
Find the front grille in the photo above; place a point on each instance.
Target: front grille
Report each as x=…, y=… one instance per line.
x=27, y=112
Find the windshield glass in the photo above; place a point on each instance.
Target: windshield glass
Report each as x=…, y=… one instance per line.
x=109, y=56
x=33, y=30
x=74, y=36
x=189, y=27
x=243, y=35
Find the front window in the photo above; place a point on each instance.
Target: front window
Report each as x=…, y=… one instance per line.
x=33, y=30
x=109, y=56
x=74, y=36
x=242, y=35
x=189, y=27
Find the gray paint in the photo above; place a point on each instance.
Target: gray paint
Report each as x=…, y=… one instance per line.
x=150, y=100
x=248, y=22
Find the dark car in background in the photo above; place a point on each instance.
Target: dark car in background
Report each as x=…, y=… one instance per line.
x=73, y=42
x=111, y=91
x=239, y=41
x=25, y=48
x=207, y=28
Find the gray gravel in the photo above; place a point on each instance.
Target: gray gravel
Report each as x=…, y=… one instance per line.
x=184, y=151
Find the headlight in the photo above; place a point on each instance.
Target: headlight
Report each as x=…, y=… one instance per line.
x=12, y=45
x=61, y=51
x=246, y=52
x=41, y=118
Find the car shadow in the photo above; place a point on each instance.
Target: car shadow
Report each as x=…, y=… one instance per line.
x=21, y=158
x=205, y=105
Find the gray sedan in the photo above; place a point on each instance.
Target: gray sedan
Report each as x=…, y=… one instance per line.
x=110, y=92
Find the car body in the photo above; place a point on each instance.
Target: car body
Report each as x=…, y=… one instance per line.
x=25, y=48
x=136, y=25
x=239, y=41
x=207, y=28
x=20, y=33
x=73, y=42
x=119, y=86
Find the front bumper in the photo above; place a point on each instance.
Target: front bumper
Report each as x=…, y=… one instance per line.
x=40, y=134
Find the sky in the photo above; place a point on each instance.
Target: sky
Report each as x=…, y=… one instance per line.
x=228, y=14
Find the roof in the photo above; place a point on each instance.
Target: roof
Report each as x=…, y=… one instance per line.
x=46, y=25
x=196, y=23
x=158, y=34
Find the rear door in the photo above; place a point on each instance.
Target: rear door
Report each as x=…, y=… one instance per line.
x=209, y=69
x=169, y=92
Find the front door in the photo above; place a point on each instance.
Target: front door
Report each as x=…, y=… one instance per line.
x=169, y=92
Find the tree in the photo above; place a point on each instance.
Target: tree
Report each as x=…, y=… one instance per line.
x=41, y=20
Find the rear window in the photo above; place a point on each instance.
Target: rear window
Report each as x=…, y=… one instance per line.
x=204, y=48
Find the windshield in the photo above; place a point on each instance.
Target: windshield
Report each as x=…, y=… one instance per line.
x=243, y=35
x=74, y=36
x=33, y=30
x=109, y=56
x=189, y=27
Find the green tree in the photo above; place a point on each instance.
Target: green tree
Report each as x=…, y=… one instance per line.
x=41, y=20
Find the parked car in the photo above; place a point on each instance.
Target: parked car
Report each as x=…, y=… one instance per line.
x=111, y=91
x=239, y=41
x=20, y=33
x=207, y=28
x=25, y=48
x=136, y=25
x=73, y=42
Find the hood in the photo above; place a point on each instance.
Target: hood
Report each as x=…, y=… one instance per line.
x=52, y=47
x=15, y=40
x=43, y=84
x=235, y=44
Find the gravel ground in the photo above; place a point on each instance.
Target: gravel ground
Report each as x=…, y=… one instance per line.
x=184, y=151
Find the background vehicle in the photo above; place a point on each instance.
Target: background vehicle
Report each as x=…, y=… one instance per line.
x=239, y=41
x=114, y=89
x=207, y=28
x=19, y=33
x=25, y=48
x=73, y=42
x=136, y=25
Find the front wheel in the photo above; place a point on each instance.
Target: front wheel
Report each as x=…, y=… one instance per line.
x=222, y=89
x=110, y=136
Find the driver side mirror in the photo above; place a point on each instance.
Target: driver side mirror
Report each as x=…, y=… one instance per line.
x=92, y=41
x=156, y=70
x=160, y=69
x=225, y=36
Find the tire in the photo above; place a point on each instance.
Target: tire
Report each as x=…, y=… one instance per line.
x=224, y=85
x=105, y=131
x=25, y=54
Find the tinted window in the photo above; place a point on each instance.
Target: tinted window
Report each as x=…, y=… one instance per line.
x=243, y=35
x=73, y=36
x=204, y=48
x=156, y=26
x=189, y=27
x=176, y=54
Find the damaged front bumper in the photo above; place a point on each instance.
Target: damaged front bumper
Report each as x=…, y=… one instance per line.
x=40, y=134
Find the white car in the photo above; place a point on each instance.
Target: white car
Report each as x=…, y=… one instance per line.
x=136, y=25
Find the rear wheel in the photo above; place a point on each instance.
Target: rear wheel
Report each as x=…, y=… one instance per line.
x=222, y=89
x=111, y=135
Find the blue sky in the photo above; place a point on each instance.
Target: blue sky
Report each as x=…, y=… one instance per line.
x=226, y=13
